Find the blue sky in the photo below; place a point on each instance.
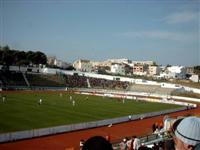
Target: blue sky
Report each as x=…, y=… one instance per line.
x=165, y=31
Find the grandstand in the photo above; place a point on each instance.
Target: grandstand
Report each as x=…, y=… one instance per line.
x=27, y=80
x=151, y=89
x=9, y=78
x=85, y=82
x=20, y=80
x=45, y=80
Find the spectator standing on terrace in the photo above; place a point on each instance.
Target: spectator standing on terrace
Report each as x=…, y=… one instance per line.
x=130, y=143
x=136, y=143
x=155, y=146
x=123, y=144
x=160, y=125
x=108, y=138
x=81, y=144
x=97, y=143
x=169, y=143
x=154, y=127
x=143, y=147
x=157, y=131
x=187, y=134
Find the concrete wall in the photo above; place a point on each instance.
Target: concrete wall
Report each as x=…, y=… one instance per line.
x=189, y=89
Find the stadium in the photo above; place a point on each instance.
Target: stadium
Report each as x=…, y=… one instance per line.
x=56, y=109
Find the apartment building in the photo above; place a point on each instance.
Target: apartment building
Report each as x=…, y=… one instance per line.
x=140, y=69
x=83, y=65
x=154, y=70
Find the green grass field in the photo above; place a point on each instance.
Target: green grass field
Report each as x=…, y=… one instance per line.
x=22, y=111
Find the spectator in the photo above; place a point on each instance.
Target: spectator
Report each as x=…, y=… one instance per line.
x=132, y=141
x=160, y=125
x=156, y=125
x=155, y=146
x=130, y=144
x=123, y=144
x=97, y=143
x=136, y=143
x=108, y=138
x=143, y=147
x=81, y=144
x=174, y=126
x=169, y=144
x=187, y=134
x=153, y=127
x=161, y=145
x=157, y=131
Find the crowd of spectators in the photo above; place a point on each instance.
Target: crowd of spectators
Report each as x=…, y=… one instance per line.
x=76, y=81
x=110, y=84
x=85, y=82
x=184, y=134
x=17, y=79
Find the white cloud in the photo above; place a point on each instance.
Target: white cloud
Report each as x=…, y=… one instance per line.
x=182, y=17
x=163, y=35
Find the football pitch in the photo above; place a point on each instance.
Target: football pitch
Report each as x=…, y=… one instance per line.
x=22, y=111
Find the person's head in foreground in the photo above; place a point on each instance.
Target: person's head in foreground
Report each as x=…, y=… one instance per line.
x=187, y=134
x=97, y=143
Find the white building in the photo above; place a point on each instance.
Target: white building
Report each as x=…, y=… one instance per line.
x=51, y=60
x=120, y=61
x=178, y=72
x=194, y=78
x=61, y=64
x=118, y=69
x=175, y=72
x=109, y=62
x=83, y=65
x=144, y=62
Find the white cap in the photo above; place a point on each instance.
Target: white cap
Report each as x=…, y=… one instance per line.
x=188, y=131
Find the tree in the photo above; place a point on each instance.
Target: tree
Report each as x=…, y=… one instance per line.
x=70, y=68
x=7, y=58
x=197, y=70
x=29, y=56
x=5, y=48
x=168, y=65
x=19, y=56
x=16, y=57
x=154, y=64
x=39, y=58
